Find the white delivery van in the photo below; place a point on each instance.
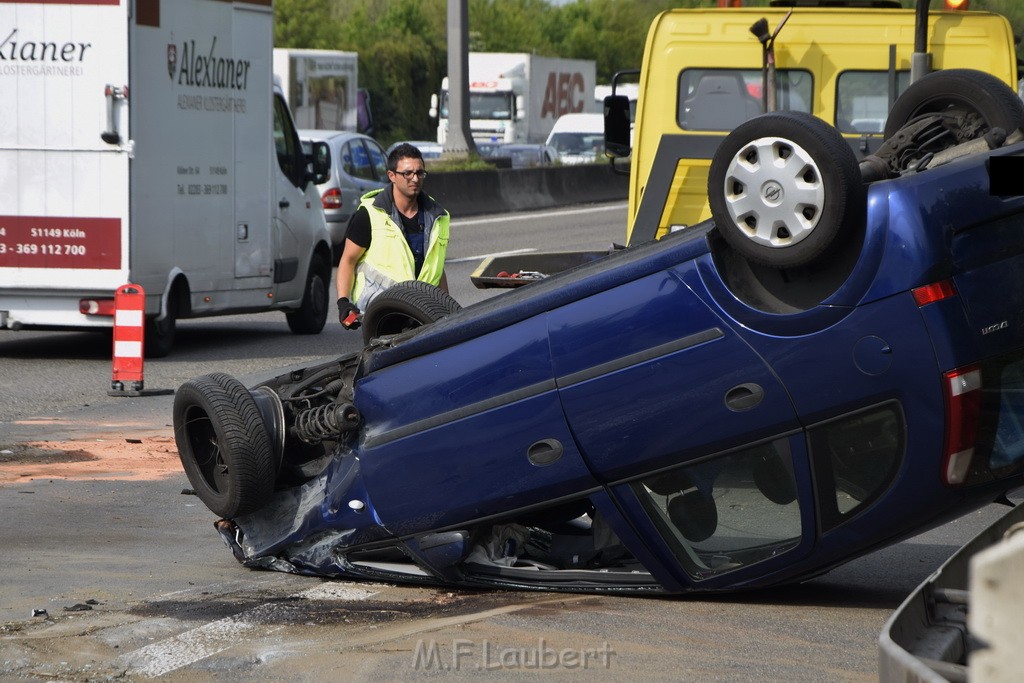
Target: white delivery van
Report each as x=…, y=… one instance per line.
x=144, y=142
x=578, y=138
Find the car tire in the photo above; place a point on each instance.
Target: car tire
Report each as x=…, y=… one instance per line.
x=223, y=445
x=406, y=306
x=960, y=92
x=311, y=316
x=785, y=189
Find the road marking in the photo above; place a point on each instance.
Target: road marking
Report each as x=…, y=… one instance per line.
x=210, y=639
x=480, y=258
x=533, y=215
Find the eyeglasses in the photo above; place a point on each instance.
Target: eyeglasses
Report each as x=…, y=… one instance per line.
x=409, y=174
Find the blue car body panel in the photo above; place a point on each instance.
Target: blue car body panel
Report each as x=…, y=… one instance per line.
x=713, y=440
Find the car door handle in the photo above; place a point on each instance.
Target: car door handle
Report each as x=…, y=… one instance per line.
x=744, y=397
x=544, y=452
x=284, y=203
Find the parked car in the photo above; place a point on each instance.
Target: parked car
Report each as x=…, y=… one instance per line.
x=429, y=150
x=358, y=165
x=525, y=155
x=833, y=363
x=578, y=138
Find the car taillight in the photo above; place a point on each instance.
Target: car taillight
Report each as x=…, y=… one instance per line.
x=962, y=390
x=331, y=199
x=96, y=307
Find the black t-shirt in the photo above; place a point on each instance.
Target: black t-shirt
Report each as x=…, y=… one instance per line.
x=359, y=232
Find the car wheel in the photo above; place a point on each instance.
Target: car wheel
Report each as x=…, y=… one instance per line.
x=311, y=316
x=405, y=306
x=223, y=444
x=973, y=102
x=785, y=189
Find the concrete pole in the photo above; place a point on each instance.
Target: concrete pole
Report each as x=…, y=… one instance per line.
x=459, y=143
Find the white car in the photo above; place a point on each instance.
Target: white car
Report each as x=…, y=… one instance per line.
x=578, y=138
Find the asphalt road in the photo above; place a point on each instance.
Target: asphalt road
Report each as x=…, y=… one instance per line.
x=137, y=585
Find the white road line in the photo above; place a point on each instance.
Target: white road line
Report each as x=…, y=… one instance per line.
x=204, y=641
x=482, y=257
x=533, y=215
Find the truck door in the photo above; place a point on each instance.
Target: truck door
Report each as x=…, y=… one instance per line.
x=253, y=162
x=293, y=228
x=64, y=156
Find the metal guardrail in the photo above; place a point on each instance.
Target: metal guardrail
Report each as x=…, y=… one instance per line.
x=500, y=190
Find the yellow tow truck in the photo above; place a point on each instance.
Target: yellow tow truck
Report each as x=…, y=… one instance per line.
x=705, y=71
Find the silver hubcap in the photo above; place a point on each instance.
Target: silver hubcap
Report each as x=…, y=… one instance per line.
x=774, y=192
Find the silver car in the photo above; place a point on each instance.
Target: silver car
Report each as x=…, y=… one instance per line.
x=358, y=165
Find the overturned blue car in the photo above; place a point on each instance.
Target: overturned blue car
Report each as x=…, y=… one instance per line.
x=833, y=363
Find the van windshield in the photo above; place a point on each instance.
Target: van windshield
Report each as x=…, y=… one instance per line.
x=486, y=105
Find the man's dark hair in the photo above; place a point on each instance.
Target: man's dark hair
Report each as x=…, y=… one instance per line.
x=403, y=151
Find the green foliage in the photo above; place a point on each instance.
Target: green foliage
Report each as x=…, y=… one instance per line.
x=309, y=24
x=402, y=44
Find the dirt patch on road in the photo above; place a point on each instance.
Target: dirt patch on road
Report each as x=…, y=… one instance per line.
x=134, y=459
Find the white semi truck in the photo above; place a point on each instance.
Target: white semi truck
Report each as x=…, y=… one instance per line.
x=145, y=143
x=517, y=97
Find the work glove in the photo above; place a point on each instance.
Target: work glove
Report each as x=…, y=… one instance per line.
x=349, y=314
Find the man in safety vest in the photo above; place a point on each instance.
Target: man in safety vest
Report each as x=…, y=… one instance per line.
x=397, y=234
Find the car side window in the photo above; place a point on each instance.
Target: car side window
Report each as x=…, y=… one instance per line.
x=729, y=512
x=286, y=143
x=346, y=159
x=378, y=160
x=360, y=161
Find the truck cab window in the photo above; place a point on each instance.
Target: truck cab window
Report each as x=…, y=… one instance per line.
x=286, y=143
x=721, y=99
x=862, y=99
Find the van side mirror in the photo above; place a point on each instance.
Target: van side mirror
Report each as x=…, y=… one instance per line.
x=616, y=126
x=319, y=159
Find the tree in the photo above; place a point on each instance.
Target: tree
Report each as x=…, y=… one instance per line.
x=310, y=24
x=402, y=43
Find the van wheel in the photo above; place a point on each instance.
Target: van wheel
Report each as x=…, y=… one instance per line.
x=311, y=316
x=160, y=334
x=785, y=189
x=406, y=306
x=971, y=102
x=223, y=444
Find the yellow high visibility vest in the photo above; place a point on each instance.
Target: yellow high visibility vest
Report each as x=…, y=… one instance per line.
x=389, y=260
